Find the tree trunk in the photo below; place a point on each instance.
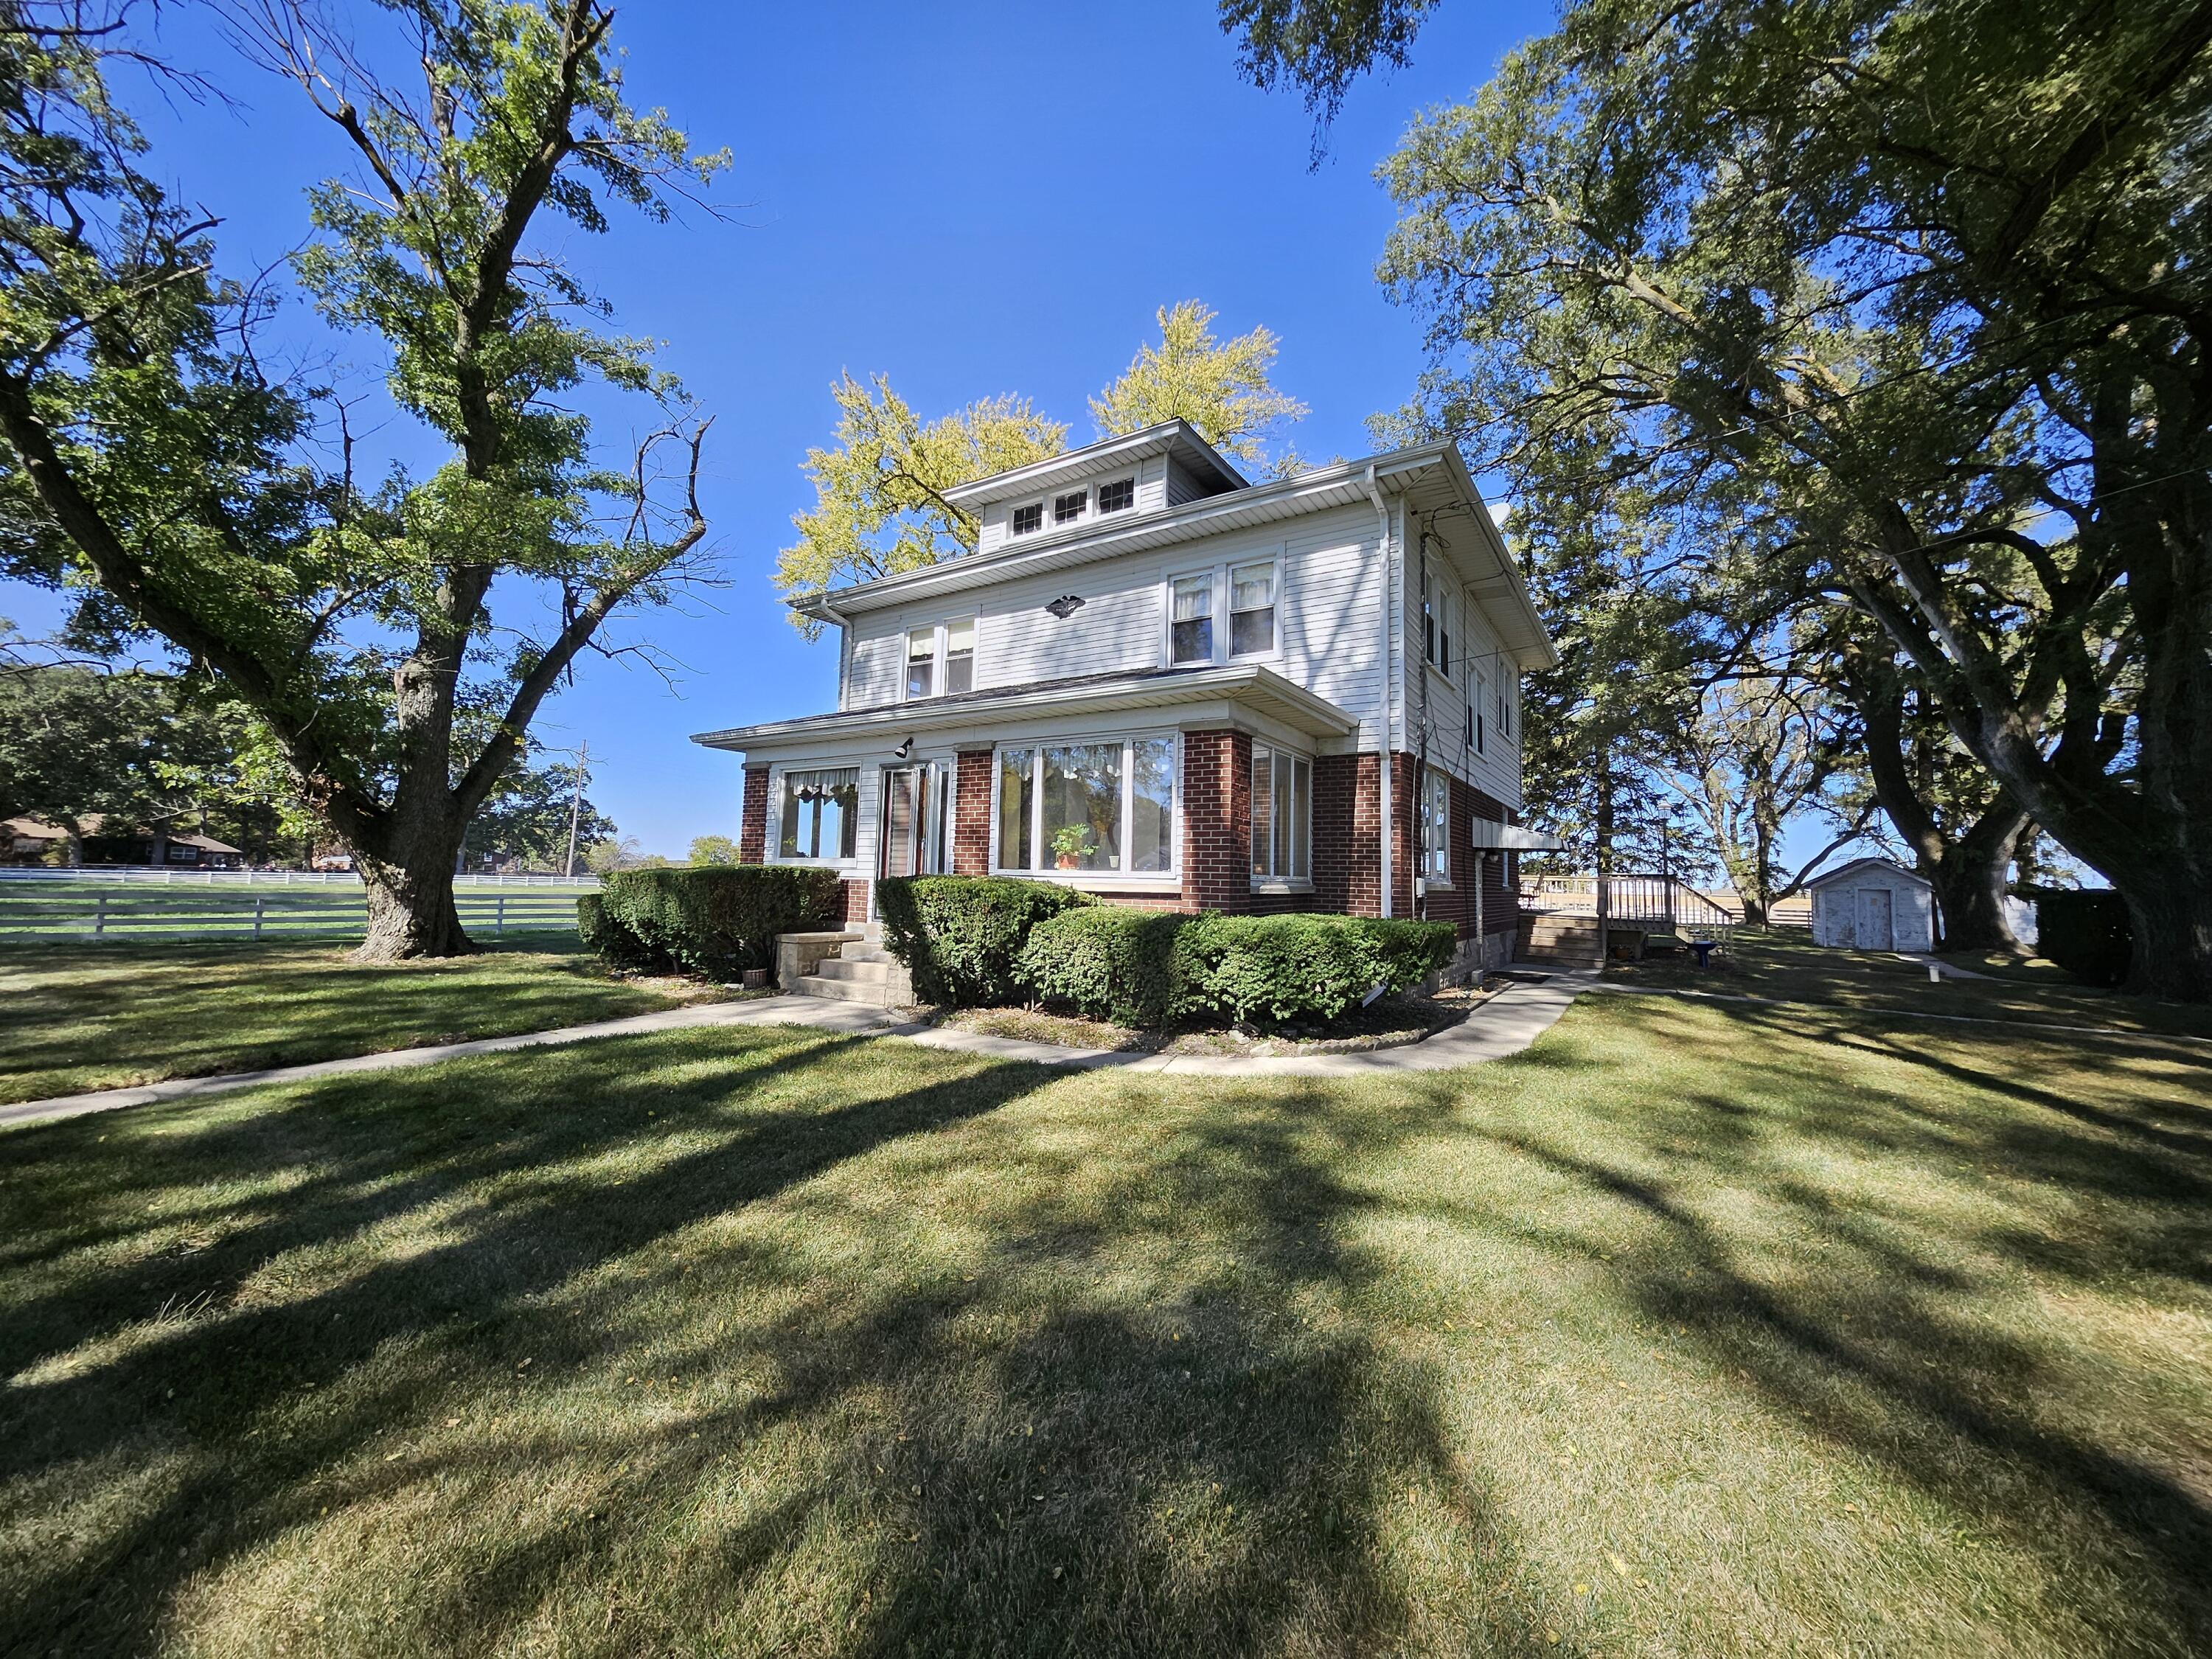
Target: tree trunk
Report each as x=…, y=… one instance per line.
x=1970, y=885
x=2172, y=920
x=411, y=906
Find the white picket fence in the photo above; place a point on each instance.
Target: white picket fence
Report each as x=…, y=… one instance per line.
x=138, y=876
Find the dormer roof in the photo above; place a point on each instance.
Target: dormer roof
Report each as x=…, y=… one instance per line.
x=1177, y=438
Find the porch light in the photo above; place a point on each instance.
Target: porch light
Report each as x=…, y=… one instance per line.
x=905, y=748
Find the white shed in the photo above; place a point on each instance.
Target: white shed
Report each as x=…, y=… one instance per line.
x=1871, y=904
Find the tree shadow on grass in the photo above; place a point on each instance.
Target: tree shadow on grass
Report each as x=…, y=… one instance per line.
x=1863, y=1308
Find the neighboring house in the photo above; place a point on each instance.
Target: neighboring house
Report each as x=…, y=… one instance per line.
x=1871, y=904
x=32, y=839
x=1164, y=684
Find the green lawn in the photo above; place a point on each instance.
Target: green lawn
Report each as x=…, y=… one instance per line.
x=83, y=1016
x=1700, y=1328
x=1785, y=962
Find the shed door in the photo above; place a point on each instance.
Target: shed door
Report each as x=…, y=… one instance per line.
x=1877, y=932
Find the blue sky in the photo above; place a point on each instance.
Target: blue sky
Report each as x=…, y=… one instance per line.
x=970, y=199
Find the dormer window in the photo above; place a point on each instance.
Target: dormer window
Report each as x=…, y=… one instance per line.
x=1066, y=509
x=1118, y=496
x=1028, y=520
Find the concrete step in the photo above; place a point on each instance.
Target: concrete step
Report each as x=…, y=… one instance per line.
x=873, y=992
x=860, y=972
x=865, y=954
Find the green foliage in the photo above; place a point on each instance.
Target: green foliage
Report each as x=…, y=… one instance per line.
x=716, y=922
x=1109, y=961
x=880, y=507
x=960, y=937
x=2086, y=931
x=712, y=849
x=524, y=819
x=1220, y=386
x=1293, y=966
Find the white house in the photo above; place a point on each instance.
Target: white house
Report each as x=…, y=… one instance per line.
x=1168, y=685
x=1871, y=904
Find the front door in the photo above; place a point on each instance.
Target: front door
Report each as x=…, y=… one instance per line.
x=912, y=842
x=1876, y=930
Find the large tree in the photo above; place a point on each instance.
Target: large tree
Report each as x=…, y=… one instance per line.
x=1225, y=388
x=164, y=472
x=1936, y=270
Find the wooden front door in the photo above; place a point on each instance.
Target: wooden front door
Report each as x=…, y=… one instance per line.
x=1877, y=930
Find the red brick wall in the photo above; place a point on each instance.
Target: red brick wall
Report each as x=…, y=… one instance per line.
x=752, y=818
x=856, y=900
x=1217, y=821
x=1346, y=813
x=971, y=813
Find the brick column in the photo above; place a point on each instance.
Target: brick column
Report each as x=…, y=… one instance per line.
x=752, y=817
x=1347, y=821
x=971, y=813
x=1217, y=821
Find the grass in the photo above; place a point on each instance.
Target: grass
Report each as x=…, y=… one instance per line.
x=83, y=1016
x=1784, y=964
x=1700, y=1328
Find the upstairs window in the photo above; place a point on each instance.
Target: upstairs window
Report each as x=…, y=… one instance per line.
x=1118, y=496
x=1066, y=509
x=1508, y=695
x=1428, y=618
x=821, y=814
x=921, y=662
x=1282, y=816
x=1251, y=608
x=1190, y=629
x=1478, y=723
x=1028, y=520
x=960, y=656
x=1443, y=635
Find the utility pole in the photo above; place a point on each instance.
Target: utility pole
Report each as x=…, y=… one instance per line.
x=576, y=806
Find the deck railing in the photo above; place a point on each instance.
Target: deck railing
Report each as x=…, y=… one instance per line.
x=1648, y=904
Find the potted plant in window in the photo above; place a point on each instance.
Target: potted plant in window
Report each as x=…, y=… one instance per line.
x=1070, y=844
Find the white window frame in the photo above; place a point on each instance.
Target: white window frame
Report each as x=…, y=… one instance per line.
x=1436, y=827
x=1082, y=493
x=940, y=657
x=1123, y=877
x=1478, y=699
x=1098, y=496
x=773, y=851
x=1276, y=882
x=1013, y=522
x=1218, y=574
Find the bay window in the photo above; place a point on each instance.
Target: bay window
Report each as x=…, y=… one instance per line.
x=1282, y=815
x=821, y=814
x=1105, y=806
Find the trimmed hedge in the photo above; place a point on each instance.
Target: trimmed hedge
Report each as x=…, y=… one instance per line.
x=1109, y=963
x=2085, y=932
x=1298, y=966
x=958, y=936
x=715, y=921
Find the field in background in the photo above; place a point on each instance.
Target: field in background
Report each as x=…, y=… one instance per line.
x=204, y=904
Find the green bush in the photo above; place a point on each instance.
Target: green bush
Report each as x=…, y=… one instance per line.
x=959, y=935
x=608, y=939
x=1108, y=962
x=714, y=922
x=1300, y=966
x=2085, y=932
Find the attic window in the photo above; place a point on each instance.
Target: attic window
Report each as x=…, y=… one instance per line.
x=1028, y=520
x=1066, y=509
x=1118, y=496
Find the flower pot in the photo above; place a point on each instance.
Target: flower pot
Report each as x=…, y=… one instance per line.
x=1067, y=860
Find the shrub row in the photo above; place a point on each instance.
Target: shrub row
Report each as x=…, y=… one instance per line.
x=712, y=921
x=959, y=935
x=981, y=941
x=2085, y=932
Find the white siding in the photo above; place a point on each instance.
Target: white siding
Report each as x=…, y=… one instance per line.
x=1475, y=646
x=1836, y=910
x=1328, y=617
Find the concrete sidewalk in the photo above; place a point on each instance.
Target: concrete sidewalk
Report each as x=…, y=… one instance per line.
x=1505, y=1026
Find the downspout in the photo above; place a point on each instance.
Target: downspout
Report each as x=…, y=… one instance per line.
x=1390, y=707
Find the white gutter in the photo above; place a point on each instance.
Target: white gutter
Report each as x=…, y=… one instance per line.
x=1389, y=678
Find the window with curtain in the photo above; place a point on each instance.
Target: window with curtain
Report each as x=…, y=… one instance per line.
x=1101, y=807
x=1190, y=626
x=920, y=661
x=1282, y=815
x=1251, y=608
x=821, y=814
x=960, y=655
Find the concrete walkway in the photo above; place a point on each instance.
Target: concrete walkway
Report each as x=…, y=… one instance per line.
x=1503, y=1025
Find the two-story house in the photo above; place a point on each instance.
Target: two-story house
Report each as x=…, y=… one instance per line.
x=1171, y=686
